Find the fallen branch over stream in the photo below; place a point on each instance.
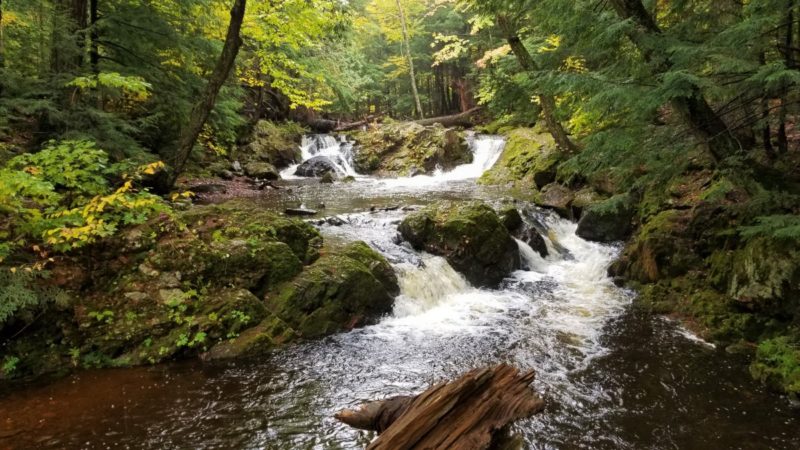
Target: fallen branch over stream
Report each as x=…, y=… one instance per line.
x=463, y=414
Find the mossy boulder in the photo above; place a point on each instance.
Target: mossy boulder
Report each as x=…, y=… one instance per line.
x=530, y=157
x=470, y=235
x=276, y=144
x=261, y=170
x=557, y=197
x=351, y=288
x=608, y=221
x=662, y=248
x=522, y=230
x=407, y=148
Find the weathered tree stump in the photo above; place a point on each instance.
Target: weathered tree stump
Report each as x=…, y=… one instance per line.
x=463, y=414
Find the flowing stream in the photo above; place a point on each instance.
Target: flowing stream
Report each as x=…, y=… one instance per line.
x=612, y=377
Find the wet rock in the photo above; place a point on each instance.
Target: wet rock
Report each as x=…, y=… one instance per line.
x=530, y=157
x=510, y=217
x=262, y=171
x=226, y=174
x=469, y=235
x=558, y=198
x=349, y=179
x=316, y=167
x=608, y=221
x=521, y=230
x=339, y=292
x=410, y=149
x=300, y=212
x=327, y=178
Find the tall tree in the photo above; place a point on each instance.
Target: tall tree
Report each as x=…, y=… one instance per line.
x=693, y=108
x=547, y=102
x=407, y=47
x=201, y=111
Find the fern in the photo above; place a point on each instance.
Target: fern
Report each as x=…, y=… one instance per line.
x=785, y=227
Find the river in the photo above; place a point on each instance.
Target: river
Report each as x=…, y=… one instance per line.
x=612, y=376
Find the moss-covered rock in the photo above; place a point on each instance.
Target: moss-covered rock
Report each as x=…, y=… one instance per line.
x=276, y=144
x=557, y=197
x=261, y=170
x=777, y=364
x=530, y=157
x=341, y=291
x=608, y=221
x=470, y=235
x=406, y=148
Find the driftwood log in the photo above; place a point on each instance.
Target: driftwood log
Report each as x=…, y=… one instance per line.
x=463, y=414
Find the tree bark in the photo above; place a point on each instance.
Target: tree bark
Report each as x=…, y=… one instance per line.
x=2, y=46
x=407, y=46
x=94, y=51
x=464, y=414
x=783, y=139
x=547, y=102
x=201, y=111
x=693, y=109
x=463, y=119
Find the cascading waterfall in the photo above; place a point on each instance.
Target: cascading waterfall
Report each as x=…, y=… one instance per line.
x=486, y=150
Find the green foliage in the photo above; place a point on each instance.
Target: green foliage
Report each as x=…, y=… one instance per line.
x=784, y=226
x=23, y=295
x=778, y=363
x=63, y=197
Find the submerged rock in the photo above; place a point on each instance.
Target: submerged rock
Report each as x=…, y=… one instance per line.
x=328, y=178
x=316, y=167
x=469, y=235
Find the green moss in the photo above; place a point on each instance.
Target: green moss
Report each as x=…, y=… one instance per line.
x=777, y=363
x=529, y=157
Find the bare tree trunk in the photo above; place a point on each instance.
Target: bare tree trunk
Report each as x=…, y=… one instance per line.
x=407, y=47
x=695, y=111
x=547, y=102
x=201, y=111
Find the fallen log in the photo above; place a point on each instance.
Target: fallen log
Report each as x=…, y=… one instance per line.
x=463, y=414
x=355, y=125
x=463, y=119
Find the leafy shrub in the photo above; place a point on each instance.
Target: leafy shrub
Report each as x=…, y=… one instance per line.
x=67, y=196
x=21, y=297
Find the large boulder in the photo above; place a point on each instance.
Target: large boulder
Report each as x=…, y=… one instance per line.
x=470, y=236
x=608, y=221
x=530, y=157
x=407, y=148
x=277, y=144
x=558, y=198
x=261, y=170
x=316, y=167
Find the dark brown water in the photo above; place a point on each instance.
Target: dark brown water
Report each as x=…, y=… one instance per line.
x=612, y=377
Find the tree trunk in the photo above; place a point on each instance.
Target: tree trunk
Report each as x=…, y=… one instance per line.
x=2, y=46
x=463, y=119
x=202, y=109
x=407, y=47
x=694, y=110
x=783, y=139
x=547, y=102
x=94, y=51
x=464, y=414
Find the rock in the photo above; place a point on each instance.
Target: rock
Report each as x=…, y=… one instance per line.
x=530, y=157
x=261, y=170
x=510, y=217
x=316, y=167
x=349, y=179
x=300, y=212
x=351, y=288
x=469, y=235
x=410, y=149
x=236, y=166
x=327, y=178
x=608, y=221
x=584, y=199
x=558, y=198
x=521, y=230
x=276, y=144
x=226, y=174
